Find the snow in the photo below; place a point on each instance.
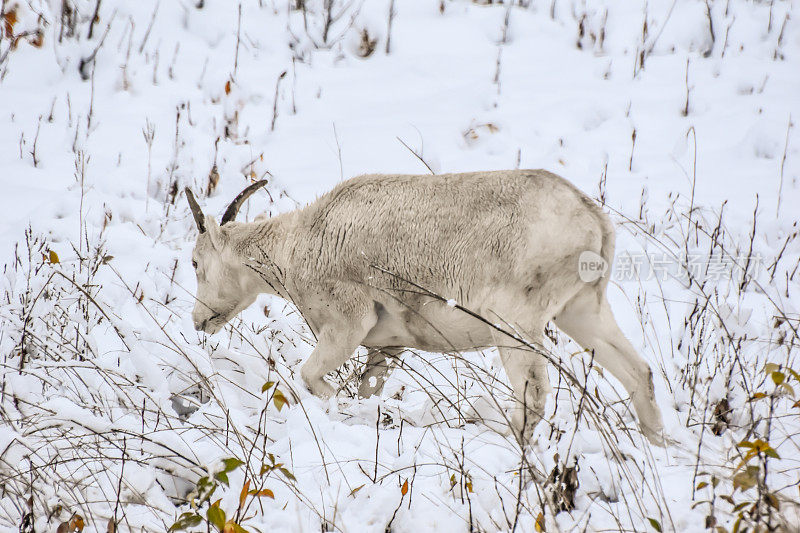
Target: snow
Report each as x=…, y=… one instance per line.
x=100, y=379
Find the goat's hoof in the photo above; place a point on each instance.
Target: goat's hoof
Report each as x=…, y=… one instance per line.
x=655, y=436
x=524, y=435
x=321, y=389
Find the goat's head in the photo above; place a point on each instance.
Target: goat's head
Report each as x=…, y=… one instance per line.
x=225, y=284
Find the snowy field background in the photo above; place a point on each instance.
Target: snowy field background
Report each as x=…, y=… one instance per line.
x=676, y=115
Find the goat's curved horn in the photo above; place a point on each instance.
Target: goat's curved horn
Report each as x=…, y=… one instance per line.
x=199, y=218
x=237, y=202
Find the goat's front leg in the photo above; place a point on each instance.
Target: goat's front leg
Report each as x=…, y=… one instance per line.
x=337, y=340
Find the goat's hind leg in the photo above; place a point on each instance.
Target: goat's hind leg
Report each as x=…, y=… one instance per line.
x=379, y=365
x=527, y=374
x=588, y=319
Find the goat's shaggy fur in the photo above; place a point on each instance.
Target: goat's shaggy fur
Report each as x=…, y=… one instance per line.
x=504, y=244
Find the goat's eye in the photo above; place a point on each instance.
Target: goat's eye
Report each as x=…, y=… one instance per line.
x=194, y=264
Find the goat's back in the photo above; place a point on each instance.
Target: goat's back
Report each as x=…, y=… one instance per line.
x=457, y=234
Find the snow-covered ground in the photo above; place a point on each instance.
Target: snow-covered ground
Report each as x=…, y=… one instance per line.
x=677, y=115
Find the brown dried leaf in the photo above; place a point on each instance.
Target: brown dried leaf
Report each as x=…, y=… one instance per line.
x=243, y=494
x=76, y=524
x=10, y=18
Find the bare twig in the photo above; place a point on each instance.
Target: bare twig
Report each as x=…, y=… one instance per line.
x=238, y=39
x=275, y=101
x=417, y=155
x=783, y=163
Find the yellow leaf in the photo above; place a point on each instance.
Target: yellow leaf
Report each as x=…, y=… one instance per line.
x=353, y=492
x=469, y=486
x=540, y=523
x=52, y=257
x=777, y=377
x=266, y=492
x=404, y=488
x=279, y=399
x=773, y=501
x=769, y=368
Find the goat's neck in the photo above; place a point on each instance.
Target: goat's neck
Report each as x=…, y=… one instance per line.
x=261, y=245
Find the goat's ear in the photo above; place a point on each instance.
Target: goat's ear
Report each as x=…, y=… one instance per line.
x=214, y=232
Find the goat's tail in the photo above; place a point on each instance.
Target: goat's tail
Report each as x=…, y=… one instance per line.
x=607, y=241
x=608, y=245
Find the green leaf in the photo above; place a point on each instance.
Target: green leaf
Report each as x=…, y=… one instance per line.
x=701, y=485
x=222, y=477
x=231, y=464
x=216, y=516
x=778, y=377
x=746, y=479
x=770, y=452
x=205, y=489
x=287, y=474
x=267, y=386
x=186, y=520
x=655, y=523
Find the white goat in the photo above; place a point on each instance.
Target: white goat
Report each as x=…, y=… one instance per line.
x=504, y=244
